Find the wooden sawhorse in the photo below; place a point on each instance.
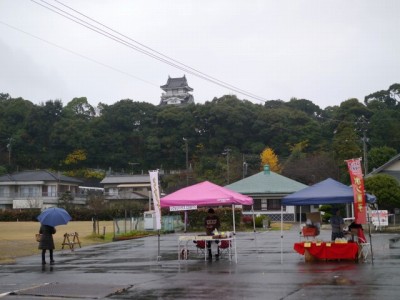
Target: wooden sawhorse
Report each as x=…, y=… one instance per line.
x=71, y=243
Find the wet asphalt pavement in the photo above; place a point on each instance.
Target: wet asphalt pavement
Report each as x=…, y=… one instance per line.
x=131, y=270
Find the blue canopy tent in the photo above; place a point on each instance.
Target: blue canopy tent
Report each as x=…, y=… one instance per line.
x=328, y=191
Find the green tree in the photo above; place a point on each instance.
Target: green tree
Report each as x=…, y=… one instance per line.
x=390, y=97
x=346, y=143
x=379, y=156
x=386, y=189
x=3, y=170
x=66, y=201
x=42, y=120
x=80, y=107
x=311, y=168
x=305, y=105
x=384, y=129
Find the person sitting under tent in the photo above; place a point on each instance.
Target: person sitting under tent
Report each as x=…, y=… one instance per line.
x=357, y=233
x=211, y=223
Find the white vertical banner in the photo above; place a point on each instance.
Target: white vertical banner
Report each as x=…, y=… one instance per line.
x=155, y=192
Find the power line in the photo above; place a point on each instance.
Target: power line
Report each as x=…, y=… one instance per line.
x=146, y=47
x=142, y=49
x=78, y=54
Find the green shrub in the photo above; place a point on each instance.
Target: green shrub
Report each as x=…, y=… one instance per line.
x=259, y=220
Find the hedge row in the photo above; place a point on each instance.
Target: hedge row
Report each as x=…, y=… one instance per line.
x=195, y=217
x=81, y=214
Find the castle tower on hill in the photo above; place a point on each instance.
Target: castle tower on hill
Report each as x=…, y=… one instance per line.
x=177, y=92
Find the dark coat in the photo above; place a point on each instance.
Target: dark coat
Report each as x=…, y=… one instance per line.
x=46, y=241
x=211, y=222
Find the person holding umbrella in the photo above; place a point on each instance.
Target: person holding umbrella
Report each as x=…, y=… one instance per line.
x=47, y=242
x=49, y=219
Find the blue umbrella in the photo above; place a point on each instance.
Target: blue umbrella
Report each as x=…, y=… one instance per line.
x=54, y=216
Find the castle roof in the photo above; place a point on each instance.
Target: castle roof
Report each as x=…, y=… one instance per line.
x=176, y=83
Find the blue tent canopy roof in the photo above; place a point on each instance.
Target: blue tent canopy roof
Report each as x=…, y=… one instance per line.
x=328, y=191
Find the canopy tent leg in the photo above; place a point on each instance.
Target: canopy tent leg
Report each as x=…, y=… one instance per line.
x=300, y=222
x=159, y=247
x=185, y=219
x=233, y=217
x=281, y=234
x=369, y=234
x=254, y=218
x=254, y=228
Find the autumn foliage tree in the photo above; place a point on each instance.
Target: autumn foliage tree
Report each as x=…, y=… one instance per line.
x=268, y=157
x=75, y=157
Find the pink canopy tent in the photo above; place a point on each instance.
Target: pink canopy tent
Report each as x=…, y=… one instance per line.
x=206, y=194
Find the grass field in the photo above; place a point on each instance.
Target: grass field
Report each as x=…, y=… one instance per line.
x=17, y=239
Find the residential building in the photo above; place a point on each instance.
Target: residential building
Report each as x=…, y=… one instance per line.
x=392, y=168
x=267, y=189
x=37, y=189
x=120, y=188
x=177, y=92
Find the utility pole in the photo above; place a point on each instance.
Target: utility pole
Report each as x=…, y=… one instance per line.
x=226, y=152
x=244, y=167
x=9, y=147
x=187, y=160
x=363, y=122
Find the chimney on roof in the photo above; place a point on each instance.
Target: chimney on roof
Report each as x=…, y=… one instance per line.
x=266, y=170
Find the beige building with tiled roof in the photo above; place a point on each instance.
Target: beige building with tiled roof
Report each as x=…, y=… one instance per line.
x=267, y=189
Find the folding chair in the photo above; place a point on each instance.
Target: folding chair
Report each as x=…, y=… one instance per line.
x=224, y=246
x=200, y=246
x=309, y=232
x=364, y=250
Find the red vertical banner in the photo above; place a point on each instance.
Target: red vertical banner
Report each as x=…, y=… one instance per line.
x=357, y=181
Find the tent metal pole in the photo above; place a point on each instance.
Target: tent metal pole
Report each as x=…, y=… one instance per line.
x=281, y=234
x=159, y=247
x=254, y=228
x=370, y=236
x=233, y=217
x=299, y=222
x=254, y=218
x=185, y=219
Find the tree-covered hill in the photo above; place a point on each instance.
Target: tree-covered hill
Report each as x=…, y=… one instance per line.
x=224, y=136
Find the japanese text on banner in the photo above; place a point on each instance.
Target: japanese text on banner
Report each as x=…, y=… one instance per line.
x=155, y=192
x=357, y=181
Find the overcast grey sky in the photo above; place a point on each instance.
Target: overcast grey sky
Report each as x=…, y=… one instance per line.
x=323, y=51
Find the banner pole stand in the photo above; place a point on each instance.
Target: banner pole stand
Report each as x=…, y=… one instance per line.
x=159, y=254
x=370, y=237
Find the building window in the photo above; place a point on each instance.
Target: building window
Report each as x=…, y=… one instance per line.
x=113, y=191
x=264, y=204
x=52, y=191
x=256, y=204
x=29, y=191
x=274, y=204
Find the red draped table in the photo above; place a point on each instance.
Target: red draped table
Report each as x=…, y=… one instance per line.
x=327, y=250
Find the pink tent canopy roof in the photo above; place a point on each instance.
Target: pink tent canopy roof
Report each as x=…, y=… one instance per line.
x=205, y=194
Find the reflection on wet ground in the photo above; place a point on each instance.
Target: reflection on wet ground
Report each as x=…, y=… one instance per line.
x=267, y=268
